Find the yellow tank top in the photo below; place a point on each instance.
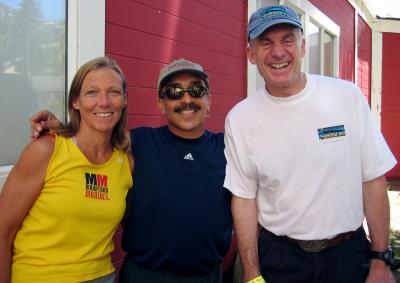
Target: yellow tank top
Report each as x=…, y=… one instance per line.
x=67, y=234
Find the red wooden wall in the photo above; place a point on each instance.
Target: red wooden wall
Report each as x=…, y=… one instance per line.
x=390, y=115
x=342, y=13
x=364, y=58
x=144, y=35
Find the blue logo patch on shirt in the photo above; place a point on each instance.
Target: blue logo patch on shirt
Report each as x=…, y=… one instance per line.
x=331, y=132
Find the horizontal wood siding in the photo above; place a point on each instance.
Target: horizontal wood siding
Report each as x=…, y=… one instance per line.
x=391, y=95
x=364, y=58
x=144, y=35
x=342, y=13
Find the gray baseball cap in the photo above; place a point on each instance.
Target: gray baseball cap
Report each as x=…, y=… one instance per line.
x=178, y=66
x=266, y=17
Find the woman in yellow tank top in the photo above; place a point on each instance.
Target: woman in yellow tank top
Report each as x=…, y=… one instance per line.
x=65, y=196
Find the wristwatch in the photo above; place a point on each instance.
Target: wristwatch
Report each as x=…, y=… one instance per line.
x=387, y=256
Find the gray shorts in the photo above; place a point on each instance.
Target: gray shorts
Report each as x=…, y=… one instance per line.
x=104, y=279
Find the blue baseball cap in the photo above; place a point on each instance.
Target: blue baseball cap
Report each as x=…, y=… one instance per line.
x=266, y=17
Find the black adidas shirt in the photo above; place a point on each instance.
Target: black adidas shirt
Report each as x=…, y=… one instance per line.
x=179, y=215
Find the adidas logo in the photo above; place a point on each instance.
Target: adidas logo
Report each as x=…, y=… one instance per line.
x=188, y=156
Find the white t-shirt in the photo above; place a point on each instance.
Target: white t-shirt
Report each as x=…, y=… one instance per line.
x=305, y=157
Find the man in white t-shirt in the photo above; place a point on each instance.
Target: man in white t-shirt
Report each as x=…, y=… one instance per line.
x=306, y=165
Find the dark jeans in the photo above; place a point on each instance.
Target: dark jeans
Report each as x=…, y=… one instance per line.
x=282, y=261
x=133, y=273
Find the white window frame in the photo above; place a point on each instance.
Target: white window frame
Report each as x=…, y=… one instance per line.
x=84, y=17
x=322, y=31
x=307, y=11
x=379, y=27
x=86, y=33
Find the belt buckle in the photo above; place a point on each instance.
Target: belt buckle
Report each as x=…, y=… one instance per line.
x=313, y=246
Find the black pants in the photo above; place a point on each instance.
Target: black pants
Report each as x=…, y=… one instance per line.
x=282, y=261
x=133, y=273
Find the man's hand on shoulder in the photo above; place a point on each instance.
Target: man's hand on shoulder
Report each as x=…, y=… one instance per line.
x=42, y=122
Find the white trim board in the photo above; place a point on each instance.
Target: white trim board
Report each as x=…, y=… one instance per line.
x=86, y=33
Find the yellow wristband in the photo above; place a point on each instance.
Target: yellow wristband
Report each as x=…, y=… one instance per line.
x=258, y=279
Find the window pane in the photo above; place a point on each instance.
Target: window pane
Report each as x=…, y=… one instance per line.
x=32, y=68
x=328, y=54
x=314, y=39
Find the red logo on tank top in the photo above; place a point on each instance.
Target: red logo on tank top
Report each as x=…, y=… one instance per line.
x=96, y=186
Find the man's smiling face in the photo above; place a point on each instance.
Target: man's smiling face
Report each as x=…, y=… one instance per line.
x=186, y=115
x=278, y=53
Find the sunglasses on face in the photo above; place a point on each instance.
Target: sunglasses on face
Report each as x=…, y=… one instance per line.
x=175, y=93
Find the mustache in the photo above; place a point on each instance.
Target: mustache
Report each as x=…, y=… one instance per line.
x=187, y=106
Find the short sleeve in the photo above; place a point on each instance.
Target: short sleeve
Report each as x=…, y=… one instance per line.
x=241, y=177
x=376, y=157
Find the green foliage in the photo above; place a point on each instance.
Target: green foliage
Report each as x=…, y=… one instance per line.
x=29, y=44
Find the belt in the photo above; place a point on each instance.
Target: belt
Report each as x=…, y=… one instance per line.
x=316, y=246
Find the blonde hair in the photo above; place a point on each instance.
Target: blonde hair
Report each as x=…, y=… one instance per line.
x=119, y=138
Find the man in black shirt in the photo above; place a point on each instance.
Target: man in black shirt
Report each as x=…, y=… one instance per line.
x=178, y=223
